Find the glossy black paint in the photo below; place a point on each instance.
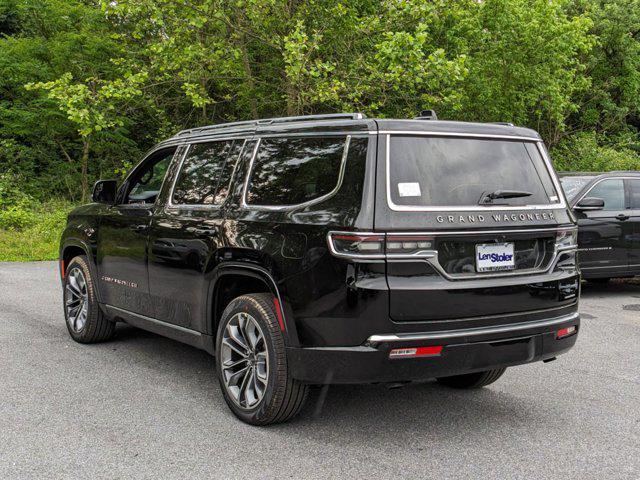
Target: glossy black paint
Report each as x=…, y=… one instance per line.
x=170, y=268
x=608, y=240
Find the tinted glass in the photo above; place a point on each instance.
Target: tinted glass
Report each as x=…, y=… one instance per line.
x=431, y=171
x=611, y=191
x=206, y=172
x=289, y=171
x=149, y=180
x=572, y=185
x=634, y=186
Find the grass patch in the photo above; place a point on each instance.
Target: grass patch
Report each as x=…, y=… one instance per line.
x=32, y=233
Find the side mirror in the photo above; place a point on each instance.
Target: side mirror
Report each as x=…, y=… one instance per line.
x=104, y=191
x=590, y=203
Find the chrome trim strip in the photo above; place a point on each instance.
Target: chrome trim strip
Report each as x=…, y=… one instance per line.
x=472, y=208
x=611, y=266
x=280, y=208
x=431, y=256
x=458, y=134
x=481, y=232
x=156, y=321
x=453, y=334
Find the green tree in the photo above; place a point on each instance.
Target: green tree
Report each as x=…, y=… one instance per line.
x=93, y=106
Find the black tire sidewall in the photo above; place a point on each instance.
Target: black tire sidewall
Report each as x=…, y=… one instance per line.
x=264, y=411
x=93, y=309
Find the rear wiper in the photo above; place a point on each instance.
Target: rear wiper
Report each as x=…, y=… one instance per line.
x=489, y=197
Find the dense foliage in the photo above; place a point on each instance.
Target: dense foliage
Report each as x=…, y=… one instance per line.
x=87, y=86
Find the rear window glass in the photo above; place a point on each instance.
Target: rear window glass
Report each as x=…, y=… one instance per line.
x=572, y=185
x=206, y=172
x=634, y=186
x=291, y=171
x=434, y=171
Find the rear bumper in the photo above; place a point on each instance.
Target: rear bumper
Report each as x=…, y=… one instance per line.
x=463, y=351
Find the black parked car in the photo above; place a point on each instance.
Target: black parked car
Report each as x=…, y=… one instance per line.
x=607, y=207
x=332, y=249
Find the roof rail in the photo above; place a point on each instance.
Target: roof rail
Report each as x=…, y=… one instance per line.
x=275, y=120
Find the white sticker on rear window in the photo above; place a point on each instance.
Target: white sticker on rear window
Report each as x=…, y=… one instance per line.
x=409, y=189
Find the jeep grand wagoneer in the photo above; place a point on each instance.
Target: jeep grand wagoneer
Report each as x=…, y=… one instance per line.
x=332, y=249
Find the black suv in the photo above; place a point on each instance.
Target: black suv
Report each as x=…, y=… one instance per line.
x=607, y=207
x=332, y=249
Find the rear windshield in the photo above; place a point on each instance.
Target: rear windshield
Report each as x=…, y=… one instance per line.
x=572, y=185
x=434, y=171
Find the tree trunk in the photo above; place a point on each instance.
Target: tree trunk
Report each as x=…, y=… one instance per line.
x=84, y=164
x=246, y=64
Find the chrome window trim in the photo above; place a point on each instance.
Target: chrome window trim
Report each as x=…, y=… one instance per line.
x=604, y=180
x=561, y=204
x=280, y=208
x=452, y=334
x=201, y=206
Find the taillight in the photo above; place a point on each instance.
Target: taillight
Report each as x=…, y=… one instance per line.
x=566, y=332
x=365, y=245
x=566, y=239
x=376, y=245
x=408, y=244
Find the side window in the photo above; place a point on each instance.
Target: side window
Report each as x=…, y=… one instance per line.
x=206, y=173
x=291, y=171
x=634, y=186
x=147, y=181
x=611, y=191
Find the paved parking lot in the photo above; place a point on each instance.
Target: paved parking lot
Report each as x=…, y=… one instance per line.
x=143, y=406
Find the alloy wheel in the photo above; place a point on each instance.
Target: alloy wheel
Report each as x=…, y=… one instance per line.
x=76, y=299
x=244, y=360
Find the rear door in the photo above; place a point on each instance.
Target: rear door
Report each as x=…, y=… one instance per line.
x=186, y=232
x=633, y=235
x=602, y=245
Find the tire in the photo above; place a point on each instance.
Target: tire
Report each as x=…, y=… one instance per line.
x=265, y=393
x=85, y=320
x=472, y=380
x=598, y=281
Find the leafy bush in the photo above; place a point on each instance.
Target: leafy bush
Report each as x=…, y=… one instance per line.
x=32, y=233
x=587, y=152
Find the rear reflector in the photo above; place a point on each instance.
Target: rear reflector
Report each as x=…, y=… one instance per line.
x=415, y=352
x=278, y=308
x=565, y=332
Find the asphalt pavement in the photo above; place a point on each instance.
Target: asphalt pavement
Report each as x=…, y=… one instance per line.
x=142, y=406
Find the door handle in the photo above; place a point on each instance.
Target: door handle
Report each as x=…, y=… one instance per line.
x=622, y=217
x=138, y=228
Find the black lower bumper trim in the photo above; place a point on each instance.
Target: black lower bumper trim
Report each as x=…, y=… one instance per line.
x=371, y=364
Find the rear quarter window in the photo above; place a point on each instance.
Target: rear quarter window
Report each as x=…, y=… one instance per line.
x=292, y=171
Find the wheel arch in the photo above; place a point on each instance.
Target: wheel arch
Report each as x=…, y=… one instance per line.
x=231, y=281
x=74, y=247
